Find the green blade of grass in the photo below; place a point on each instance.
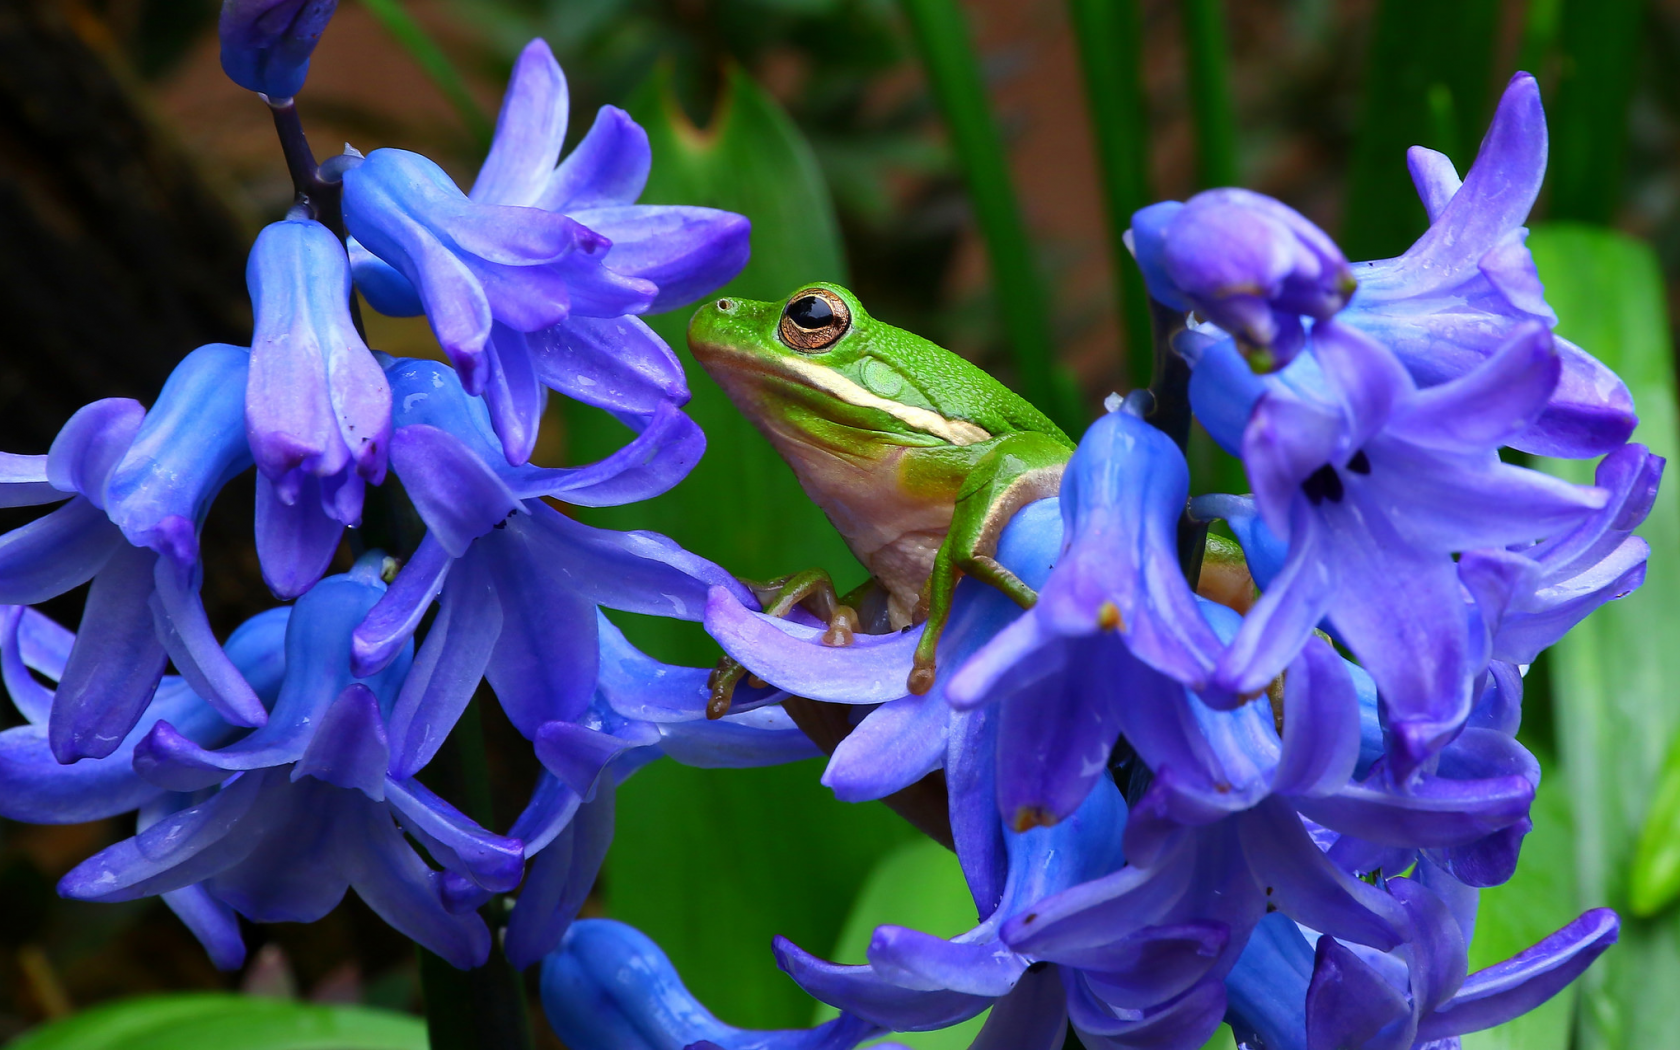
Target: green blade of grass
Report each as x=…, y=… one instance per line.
x=1613, y=676
x=1209, y=60
x=1110, y=56
x=953, y=71
x=1426, y=83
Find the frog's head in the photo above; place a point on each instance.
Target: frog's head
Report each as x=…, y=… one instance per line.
x=817, y=361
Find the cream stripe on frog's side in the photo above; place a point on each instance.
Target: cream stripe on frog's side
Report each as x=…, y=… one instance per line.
x=829, y=381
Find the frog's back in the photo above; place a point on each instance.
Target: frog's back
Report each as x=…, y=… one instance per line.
x=956, y=388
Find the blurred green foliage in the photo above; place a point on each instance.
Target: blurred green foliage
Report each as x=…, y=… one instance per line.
x=206, y=1019
x=1613, y=676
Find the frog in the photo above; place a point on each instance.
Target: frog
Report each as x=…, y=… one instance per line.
x=917, y=456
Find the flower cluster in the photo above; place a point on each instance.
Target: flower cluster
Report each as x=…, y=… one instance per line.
x=1171, y=813
x=275, y=770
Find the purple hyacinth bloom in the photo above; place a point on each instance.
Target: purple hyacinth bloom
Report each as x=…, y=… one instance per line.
x=1287, y=994
x=1375, y=485
x=1246, y=262
x=36, y=789
x=266, y=44
x=1114, y=622
x=533, y=278
x=317, y=406
x=306, y=806
x=642, y=710
x=1457, y=295
x=517, y=582
x=1153, y=980
x=1529, y=597
x=140, y=484
x=609, y=987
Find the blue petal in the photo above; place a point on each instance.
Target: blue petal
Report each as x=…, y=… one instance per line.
x=530, y=130
x=610, y=988
x=560, y=878
x=87, y=449
x=115, y=665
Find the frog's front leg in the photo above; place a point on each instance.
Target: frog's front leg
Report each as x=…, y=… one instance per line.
x=814, y=589
x=1020, y=469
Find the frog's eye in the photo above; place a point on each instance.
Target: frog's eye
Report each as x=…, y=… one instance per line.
x=815, y=320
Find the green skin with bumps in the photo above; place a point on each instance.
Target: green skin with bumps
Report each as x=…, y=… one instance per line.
x=917, y=456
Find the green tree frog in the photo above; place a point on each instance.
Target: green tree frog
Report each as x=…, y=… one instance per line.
x=918, y=457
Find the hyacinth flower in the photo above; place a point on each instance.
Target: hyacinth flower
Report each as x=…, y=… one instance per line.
x=1375, y=485
x=36, y=789
x=277, y=824
x=1457, y=294
x=138, y=484
x=517, y=582
x=1151, y=981
x=317, y=406
x=533, y=279
x=1295, y=989
x=642, y=710
x=1245, y=262
x=1531, y=596
x=609, y=987
x=266, y=44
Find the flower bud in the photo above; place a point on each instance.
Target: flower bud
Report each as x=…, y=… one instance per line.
x=266, y=44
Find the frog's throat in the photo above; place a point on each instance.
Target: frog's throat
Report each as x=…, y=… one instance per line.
x=842, y=388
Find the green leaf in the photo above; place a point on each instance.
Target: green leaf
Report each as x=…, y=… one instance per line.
x=919, y=885
x=206, y=1019
x=1655, y=880
x=953, y=71
x=1540, y=898
x=1613, y=676
x=713, y=863
x=1110, y=37
x=1426, y=82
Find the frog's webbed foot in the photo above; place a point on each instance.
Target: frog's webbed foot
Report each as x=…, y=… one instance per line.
x=721, y=683
x=812, y=589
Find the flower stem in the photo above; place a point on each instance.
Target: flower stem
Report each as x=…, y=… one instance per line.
x=479, y=1009
x=482, y=1008
x=954, y=73
x=1169, y=412
x=323, y=197
x=1110, y=54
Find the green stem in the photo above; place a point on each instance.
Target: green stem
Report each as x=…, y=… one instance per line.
x=482, y=1008
x=954, y=72
x=394, y=17
x=1110, y=52
x=1210, y=92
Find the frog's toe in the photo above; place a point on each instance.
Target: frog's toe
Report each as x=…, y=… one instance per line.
x=721, y=684
x=921, y=678
x=842, y=626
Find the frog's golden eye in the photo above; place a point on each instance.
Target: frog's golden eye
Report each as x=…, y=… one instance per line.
x=815, y=320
